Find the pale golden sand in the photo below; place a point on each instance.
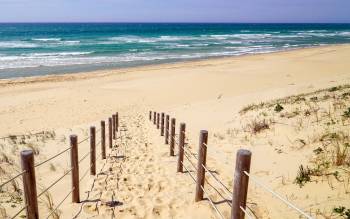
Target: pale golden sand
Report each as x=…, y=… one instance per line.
x=206, y=95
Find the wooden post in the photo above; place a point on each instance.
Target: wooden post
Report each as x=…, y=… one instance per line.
x=103, y=139
x=150, y=115
x=92, y=150
x=162, y=125
x=181, y=147
x=113, y=125
x=172, y=137
x=202, y=157
x=110, y=132
x=240, y=187
x=75, y=168
x=167, y=129
x=29, y=184
x=158, y=120
x=116, y=122
x=154, y=117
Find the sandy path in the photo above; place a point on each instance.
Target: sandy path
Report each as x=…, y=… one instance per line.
x=137, y=181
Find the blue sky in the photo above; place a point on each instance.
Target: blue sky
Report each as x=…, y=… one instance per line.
x=175, y=11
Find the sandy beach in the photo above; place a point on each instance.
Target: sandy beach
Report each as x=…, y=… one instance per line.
x=206, y=95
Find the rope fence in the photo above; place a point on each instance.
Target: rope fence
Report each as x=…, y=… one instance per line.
x=275, y=194
x=51, y=158
x=28, y=168
x=20, y=211
x=238, y=196
x=54, y=183
x=11, y=179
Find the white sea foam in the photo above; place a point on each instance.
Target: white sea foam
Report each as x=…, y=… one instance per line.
x=345, y=33
x=128, y=39
x=187, y=47
x=177, y=38
x=17, y=44
x=78, y=58
x=58, y=54
x=70, y=42
x=47, y=39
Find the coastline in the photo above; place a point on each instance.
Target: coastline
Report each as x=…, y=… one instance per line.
x=122, y=70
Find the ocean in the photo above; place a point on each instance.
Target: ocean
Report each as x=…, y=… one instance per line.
x=33, y=49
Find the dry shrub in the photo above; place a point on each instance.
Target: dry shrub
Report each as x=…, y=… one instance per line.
x=51, y=206
x=337, y=145
x=219, y=136
x=4, y=158
x=257, y=126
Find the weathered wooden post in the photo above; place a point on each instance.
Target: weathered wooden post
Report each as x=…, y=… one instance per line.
x=154, y=117
x=116, y=122
x=181, y=147
x=172, y=137
x=75, y=168
x=103, y=139
x=202, y=157
x=167, y=129
x=113, y=125
x=150, y=115
x=162, y=125
x=158, y=115
x=29, y=184
x=240, y=187
x=92, y=150
x=110, y=132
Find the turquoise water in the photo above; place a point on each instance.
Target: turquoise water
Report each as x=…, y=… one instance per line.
x=40, y=49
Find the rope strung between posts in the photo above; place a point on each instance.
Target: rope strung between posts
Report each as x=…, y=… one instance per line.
x=193, y=155
x=206, y=179
x=192, y=164
x=85, y=173
x=212, y=203
x=246, y=213
x=13, y=178
x=212, y=148
x=210, y=200
x=226, y=190
x=85, y=156
x=188, y=151
x=255, y=180
x=85, y=139
x=188, y=172
x=55, y=182
x=217, y=191
x=54, y=210
x=53, y=157
x=187, y=157
x=22, y=209
x=189, y=160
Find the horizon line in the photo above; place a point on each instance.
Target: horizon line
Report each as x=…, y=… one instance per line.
x=155, y=22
